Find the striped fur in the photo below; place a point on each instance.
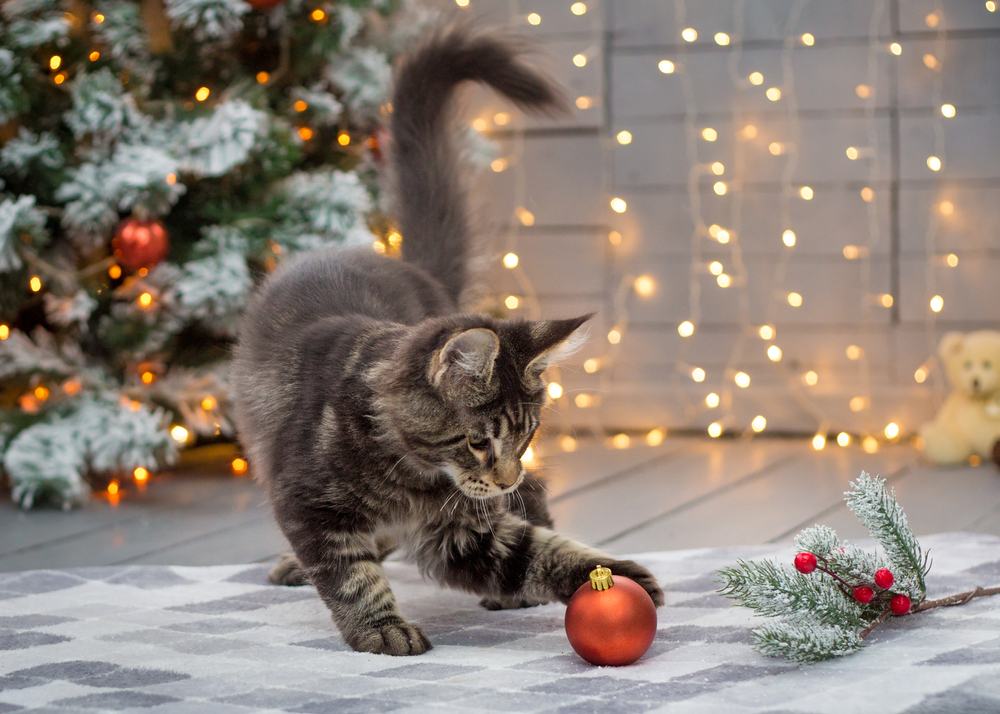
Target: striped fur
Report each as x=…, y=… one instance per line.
x=376, y=412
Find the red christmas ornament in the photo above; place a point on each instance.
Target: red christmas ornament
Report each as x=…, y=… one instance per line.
x=610, y=621
x=884, y=578
x=805, y=563
x=864, y=594
x=140, y=244
x=900, y=604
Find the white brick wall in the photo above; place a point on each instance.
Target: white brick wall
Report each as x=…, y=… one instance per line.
x=564, y=171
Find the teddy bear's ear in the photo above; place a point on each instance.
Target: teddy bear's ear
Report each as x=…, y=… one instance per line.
x=950, y=345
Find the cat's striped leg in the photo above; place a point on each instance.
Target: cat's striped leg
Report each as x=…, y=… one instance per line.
x=344, y=566
x=514, y=560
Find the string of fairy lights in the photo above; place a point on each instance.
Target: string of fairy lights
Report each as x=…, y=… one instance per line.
x=730, y=272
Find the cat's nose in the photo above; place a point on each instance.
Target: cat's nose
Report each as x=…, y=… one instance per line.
x=975, y=384
x=507, y=475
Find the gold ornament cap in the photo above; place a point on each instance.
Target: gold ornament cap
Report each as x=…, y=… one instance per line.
x=600, y=578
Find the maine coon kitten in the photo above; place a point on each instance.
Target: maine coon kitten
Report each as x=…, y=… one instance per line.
x=369, y=404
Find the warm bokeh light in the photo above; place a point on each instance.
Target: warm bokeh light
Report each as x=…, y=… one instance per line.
x=819, y=442
x=811, y=378
x=712, y=400
x=644, y=286
x=685, y=329
x=555, y=390
x=618, y=204
x=578, y=8
x=666, y=66
x=742, y=380
x=583, y=400
x=698, y=375
x=756, y=79
x=689, y=34
x=789, y=238
x=624, y=137
x=240, y=466
x=202, y=93
x=621, y=441
x=766, y=332
x=511, y=302
x=936, y=304
x=722, y=39
x=758, y=423
x=774, y=353
x=655, y=437
x=948, y=111
x=794, y=299
x=857, y=404
x=35, y=284
x=140, y=474
x=869, y=444
x=892, y=430
x=714, y=430
x=934, y=163
x=567, y=443
x=179, y=433
x=534, y=19
x=591, y=365
x=614, y=335
x=510, y=261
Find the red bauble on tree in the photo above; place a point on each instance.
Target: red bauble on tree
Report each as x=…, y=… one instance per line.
x=805, y=563
x=610, y=620
x=140, y=244
x=900, y=604
x=884, y=578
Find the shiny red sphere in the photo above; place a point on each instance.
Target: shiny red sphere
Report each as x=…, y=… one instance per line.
x=805, y=562
x=864, y=594
x=140, y=244
x=900, y=604
x=611, y=627
x=884, y=578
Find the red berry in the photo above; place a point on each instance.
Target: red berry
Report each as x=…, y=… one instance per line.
x=863, y=594
x=805, y=562
x=900, y=604
x=884, y=578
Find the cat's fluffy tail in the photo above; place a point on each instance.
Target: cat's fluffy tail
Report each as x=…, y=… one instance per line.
x=431, y=203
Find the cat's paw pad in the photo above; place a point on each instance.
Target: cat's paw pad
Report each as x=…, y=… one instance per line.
x=507, y=603
x=288, y=571
x=634, y=571
x=397, y=638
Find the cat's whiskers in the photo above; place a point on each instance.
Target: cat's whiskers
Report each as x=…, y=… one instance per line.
x=455, y=491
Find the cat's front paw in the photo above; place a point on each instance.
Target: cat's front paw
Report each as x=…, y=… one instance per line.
x=288, y=571
x=632, y=570
x=397, y=638
x=506, y=602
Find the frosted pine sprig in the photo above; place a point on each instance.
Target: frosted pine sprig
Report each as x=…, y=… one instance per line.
x=806, y=642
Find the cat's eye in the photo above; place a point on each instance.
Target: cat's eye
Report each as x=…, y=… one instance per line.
x=478, y=444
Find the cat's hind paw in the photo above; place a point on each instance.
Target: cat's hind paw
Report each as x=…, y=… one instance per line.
x=288, y=571
x=396, y=638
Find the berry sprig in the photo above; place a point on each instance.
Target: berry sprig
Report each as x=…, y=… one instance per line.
x=864, y=593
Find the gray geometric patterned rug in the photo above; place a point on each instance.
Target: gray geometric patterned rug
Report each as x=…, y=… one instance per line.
x=221, y=640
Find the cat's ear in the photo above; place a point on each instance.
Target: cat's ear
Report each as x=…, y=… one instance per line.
x=469, y=356
x=553, y=341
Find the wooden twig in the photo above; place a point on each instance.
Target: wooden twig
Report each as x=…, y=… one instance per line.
x=956, y=599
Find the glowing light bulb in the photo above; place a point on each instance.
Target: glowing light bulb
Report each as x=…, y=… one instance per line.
x=758, y=423
x=715, y=268
x=239, y=466
x=578, y=8
x=555, y=390
x=819, y=442
x=462, y=3
x=179, y=434
x=718, y=168
x=741, y=379
x=343, y=138
x=584, y=102
x=591, y=365
x=712, y=400
x=621, y=441
x=811, y=378
x=689, y=34
x=886, y=300
x=42, y=393
x=567, y=443
x=755, y=78
x=655, y=437
x=936, y=303
x=749, y=131
x=774, y=353
x=614, y=335
x=891, y=430
x=714, y=430
x=501, y=118
x=857, y=404
x=526, y=217
x=4, y=331
x=775, y=148
x=946, y=208
x=895, y=48
x=920, y=375
x=789, y=238
x=305, y=133
x=55, y=62
x=615, y=238
x=709, y=134
x=991, y=6
x=794, y=299
x=930, y=61
x=863, y=91
x=766, y=332
x=722, y=39
x=317, y=15
x=644, y=286
x=300, y=106
x=94, y=56
x=202, y=93
x=951, y=260
x=843, y=439
x=624, y=137
x=511, y=302
x=698, y=375
x=583, y=400
x=932, y=19
x=666, y=66
x=853, y=352
x=773, y=94
x=498, y=165
x=209, y=403
x=806, y=193
x=113, y=488
x=867, y=194
x=685, y=329
x=145, y=300
x=948, y=111
x=808, y=39
x=147, y=377
x=263, y=77
x=852, y=153
x=720, y=188
x=869, y=444
x=934, y=163
x=618, y=204
x=579, y=60
x=510, y=261
x=534, y=19
x=723, y=280
x=35, y=284
x=851, y=252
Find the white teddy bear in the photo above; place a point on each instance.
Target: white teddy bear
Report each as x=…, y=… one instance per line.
x=969, y=421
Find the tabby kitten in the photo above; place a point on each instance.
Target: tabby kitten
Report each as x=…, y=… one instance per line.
x=372, y=407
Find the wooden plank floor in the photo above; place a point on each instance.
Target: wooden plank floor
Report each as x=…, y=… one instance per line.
x=687, y=493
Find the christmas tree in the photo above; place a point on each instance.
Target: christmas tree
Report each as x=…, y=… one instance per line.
x=156, y=158
x=835, y=594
